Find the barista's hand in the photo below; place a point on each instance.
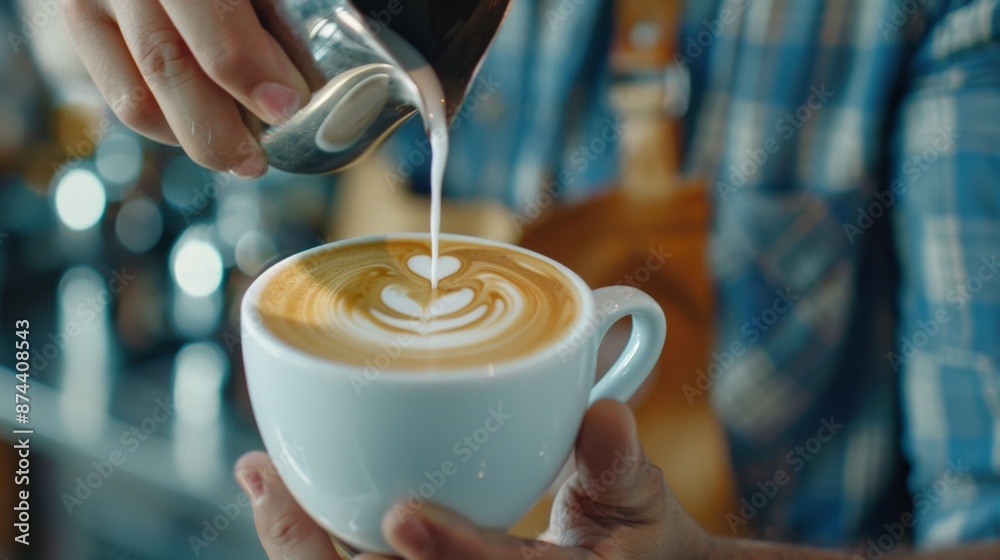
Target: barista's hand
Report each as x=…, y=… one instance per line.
x=174, y=70
x=616, y=507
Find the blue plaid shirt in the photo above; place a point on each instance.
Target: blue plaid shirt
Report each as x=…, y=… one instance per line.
x=853, y=147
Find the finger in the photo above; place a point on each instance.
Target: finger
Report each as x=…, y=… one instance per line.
x=204, y=118
x=430, y=532
x=241, y=56
x=108, y=61
x=285, y=530
x=612, y=468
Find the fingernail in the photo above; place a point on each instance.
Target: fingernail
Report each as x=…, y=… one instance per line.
x=252, y=483
x=250, y=168
x=278, y=101
x=413, y=535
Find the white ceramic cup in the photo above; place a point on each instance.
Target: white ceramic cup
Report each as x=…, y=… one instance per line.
x=485, y=442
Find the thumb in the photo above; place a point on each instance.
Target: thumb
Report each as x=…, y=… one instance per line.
x=284, y=528
x=612, y=468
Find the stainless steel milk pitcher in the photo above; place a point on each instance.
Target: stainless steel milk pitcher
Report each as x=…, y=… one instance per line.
x=355, y=55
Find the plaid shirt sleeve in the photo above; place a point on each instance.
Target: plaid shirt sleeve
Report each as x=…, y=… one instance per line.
x=947, y=151
x=854, y=148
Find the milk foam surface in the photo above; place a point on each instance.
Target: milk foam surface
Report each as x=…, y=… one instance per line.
x=371, y=304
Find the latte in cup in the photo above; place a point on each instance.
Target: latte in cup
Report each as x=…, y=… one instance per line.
x=513, y=334
x=373, y=301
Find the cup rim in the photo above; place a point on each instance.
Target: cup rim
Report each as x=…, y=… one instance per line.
x=294, y=355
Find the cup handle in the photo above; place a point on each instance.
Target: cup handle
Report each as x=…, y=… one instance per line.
x=649, y=330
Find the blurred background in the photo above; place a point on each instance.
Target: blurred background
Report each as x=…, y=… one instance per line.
x=129, y=261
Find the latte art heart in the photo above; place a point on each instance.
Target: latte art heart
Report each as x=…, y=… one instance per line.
x=373, y=302
x=421, y=264
x=445, y=312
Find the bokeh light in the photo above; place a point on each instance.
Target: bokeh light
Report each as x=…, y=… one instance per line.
x=199, y=374
x=196, y=266
x=80, y=199
x=86, y=346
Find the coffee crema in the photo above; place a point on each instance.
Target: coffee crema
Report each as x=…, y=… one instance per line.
x=371, y=304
